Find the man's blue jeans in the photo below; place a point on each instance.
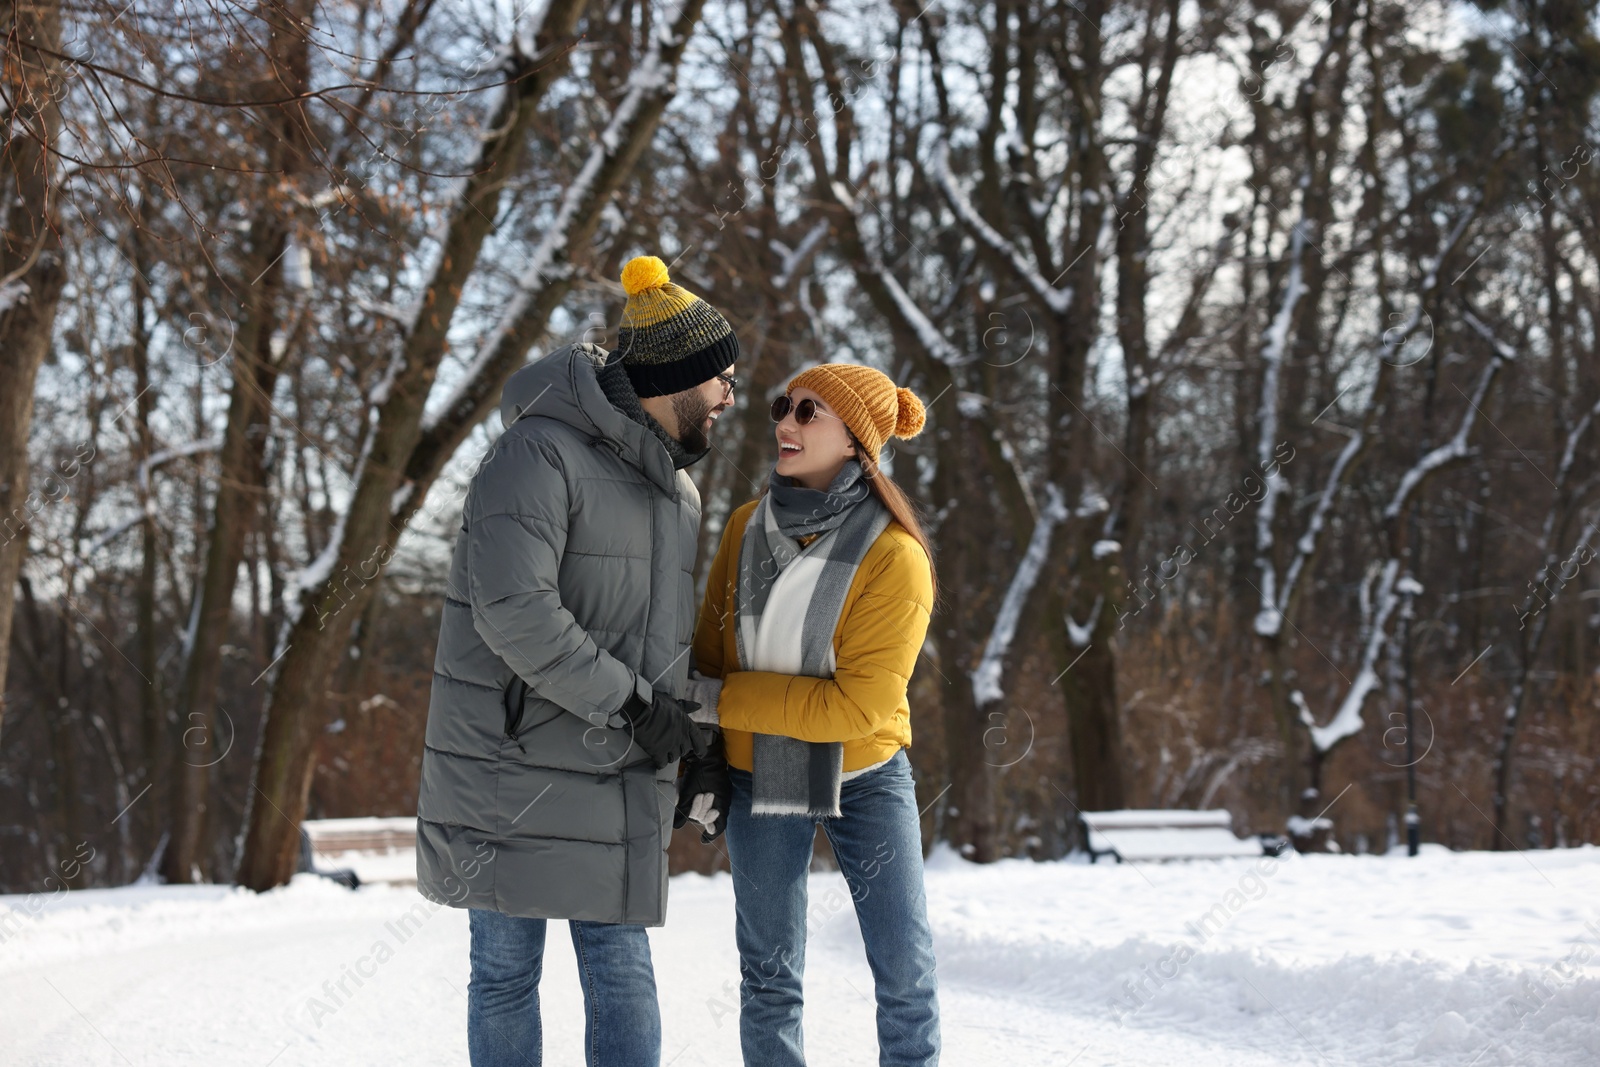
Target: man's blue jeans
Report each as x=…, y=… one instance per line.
x=622, y=1020
x=878, y=842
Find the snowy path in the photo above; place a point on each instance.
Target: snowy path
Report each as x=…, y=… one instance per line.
x=1326, y=960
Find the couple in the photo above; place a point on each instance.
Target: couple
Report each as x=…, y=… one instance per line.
x=567, y=734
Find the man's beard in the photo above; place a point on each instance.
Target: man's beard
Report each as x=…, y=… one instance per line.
x=691, y=409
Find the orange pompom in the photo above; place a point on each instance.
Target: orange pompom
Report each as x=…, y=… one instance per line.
x=643, y=272
x=912, y=415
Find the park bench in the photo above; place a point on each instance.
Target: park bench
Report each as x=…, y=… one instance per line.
x=355, y=852
x=1134, y=835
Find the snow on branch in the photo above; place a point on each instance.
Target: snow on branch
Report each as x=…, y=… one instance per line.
x=1057, y=300
x=1080, y=633
x=1554, y=576
x=1347, y=721
x=1570, y=452
x=1552, y=566
x=1275, y=596
x=794, y=259
x=167, y=455
x=1269, y=618
x=987, y=676
x=927, y=333
x=1457, y=447
x=547, y=263
x=112, y=534
x=12, y=292
x=527, y=32
x=1391, y=586
x=402, y=317
x=316, y=573
x=910, y=313
x=1306, y=545
x=1503, y=350
x=1277, y=337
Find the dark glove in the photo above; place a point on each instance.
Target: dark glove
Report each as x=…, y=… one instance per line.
x=662, y=728
x=705, y=790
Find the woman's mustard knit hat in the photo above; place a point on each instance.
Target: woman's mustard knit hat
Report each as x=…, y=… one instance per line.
x=868, y=401
x=670, y=340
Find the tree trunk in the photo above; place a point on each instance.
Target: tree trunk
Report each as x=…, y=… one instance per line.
x=241, y=483
x=32, y=270
x=153, y=725
x=1084, y=581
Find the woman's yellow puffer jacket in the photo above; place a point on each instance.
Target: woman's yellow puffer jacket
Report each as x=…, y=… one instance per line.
x=881, y=630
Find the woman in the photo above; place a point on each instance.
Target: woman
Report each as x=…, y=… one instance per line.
x=816, y=607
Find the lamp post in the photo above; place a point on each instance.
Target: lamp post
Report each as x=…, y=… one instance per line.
x=1409, y=588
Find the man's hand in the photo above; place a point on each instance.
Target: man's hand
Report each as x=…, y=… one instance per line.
x=663, y=728
x=705, y=791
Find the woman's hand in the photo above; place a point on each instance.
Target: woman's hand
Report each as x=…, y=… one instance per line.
x=705, y=692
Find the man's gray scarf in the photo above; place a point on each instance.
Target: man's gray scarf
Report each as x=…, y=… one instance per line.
x=619, y=390
x=806, y=588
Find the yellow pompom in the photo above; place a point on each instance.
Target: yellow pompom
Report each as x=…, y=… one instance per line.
x=911, y=417
x=643, y=272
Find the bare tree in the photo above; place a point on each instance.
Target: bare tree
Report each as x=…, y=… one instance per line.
x=32, y=263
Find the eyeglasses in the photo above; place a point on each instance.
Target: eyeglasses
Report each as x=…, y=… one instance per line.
x=804, y=411
x=729, y=384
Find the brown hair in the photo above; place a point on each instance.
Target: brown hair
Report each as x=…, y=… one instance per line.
x=891, y=496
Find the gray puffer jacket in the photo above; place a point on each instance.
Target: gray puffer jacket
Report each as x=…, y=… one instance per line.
x=571, y=586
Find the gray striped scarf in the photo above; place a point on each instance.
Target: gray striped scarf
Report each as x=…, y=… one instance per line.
x=808, y=587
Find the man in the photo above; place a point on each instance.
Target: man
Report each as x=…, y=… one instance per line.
x=559, y=714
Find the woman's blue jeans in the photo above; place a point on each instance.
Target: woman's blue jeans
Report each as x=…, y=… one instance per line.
x=878, y=842
x=622, y=1021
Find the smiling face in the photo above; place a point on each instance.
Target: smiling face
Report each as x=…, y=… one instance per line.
x=812, y=454
x=695, y=411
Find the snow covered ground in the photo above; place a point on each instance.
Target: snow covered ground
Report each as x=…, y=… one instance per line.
x=1466, y=959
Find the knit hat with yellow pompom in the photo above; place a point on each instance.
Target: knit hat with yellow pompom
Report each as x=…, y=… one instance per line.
x=868, y=401
x=670, y=340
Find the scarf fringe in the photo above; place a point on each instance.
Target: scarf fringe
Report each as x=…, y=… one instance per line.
x=779, y=809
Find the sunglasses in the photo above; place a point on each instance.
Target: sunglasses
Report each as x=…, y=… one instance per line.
x=804, y=411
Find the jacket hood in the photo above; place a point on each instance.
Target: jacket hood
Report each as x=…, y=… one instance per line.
x=562, y=386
